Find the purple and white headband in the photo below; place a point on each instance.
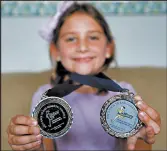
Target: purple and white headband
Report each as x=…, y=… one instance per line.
x=46, y=32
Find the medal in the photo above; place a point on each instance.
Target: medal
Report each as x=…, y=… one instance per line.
x=54, y=116
x=119, y=116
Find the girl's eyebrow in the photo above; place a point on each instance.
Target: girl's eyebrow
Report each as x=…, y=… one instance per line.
x=95, y=31
x=89, y=31
x=67, y=33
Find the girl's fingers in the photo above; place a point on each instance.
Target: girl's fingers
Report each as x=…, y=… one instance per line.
x=146, y=108
x=149, y=122
x=22, y=140
x=23, y=120
x=31, y=146
x=131, y=142
x=150, y=137
x=23, y=130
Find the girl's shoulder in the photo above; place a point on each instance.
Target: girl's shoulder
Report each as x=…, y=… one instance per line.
x=41, y=89
x=36, y=98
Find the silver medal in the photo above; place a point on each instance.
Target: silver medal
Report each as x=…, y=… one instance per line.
x=54, y=116
x=119, y=116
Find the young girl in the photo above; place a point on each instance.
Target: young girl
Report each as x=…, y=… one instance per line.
x=81, y=42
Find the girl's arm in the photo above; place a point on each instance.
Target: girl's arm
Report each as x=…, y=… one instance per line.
x=48, y=145
x=141, y=145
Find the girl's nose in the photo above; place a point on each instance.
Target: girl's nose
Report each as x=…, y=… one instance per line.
x=83, y=46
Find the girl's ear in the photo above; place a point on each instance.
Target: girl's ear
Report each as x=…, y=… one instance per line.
x=53, y=51
x=110, y=49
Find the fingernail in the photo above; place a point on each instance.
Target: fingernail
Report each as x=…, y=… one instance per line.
x=157, y=129
x=141, y=105
x=33, y=122
x=142, y=114
x=38, y=137
x=39, y=142
x=138, y=98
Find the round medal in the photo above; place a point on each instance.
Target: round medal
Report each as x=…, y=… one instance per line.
x=119, y=116
x=54, y=116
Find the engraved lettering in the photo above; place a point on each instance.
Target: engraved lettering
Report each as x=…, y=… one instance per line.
x=58, y=126
x=51, y=116
x=56, y=120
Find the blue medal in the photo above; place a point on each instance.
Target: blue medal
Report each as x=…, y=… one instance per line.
x=119, y=116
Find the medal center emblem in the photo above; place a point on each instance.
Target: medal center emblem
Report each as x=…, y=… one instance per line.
x=52, y=118
x=121, y=116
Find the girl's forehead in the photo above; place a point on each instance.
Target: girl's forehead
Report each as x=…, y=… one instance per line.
x=80, y=21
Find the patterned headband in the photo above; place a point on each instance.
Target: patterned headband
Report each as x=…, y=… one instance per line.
x=46, y=32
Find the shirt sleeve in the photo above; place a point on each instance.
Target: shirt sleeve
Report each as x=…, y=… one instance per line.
x=37, y=96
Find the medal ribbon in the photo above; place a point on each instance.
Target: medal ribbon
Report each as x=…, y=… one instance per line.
x=100, y=81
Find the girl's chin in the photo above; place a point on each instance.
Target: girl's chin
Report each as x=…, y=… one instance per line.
x=85, y=71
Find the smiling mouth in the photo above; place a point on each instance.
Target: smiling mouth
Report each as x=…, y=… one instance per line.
x=84, y=60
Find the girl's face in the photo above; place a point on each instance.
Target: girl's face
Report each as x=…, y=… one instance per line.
x=82, y=45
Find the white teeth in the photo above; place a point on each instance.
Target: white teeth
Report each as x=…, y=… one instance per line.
x=85, y=59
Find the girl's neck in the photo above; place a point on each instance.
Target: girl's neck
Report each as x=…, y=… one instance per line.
x=84, y=88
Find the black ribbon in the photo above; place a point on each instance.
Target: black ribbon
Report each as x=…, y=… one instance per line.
x=100, y=81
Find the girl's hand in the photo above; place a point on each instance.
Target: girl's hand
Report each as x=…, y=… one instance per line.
x=151, y=118
x=23, y=133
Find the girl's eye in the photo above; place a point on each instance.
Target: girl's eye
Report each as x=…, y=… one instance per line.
x=94, y=38
x=71, y=39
